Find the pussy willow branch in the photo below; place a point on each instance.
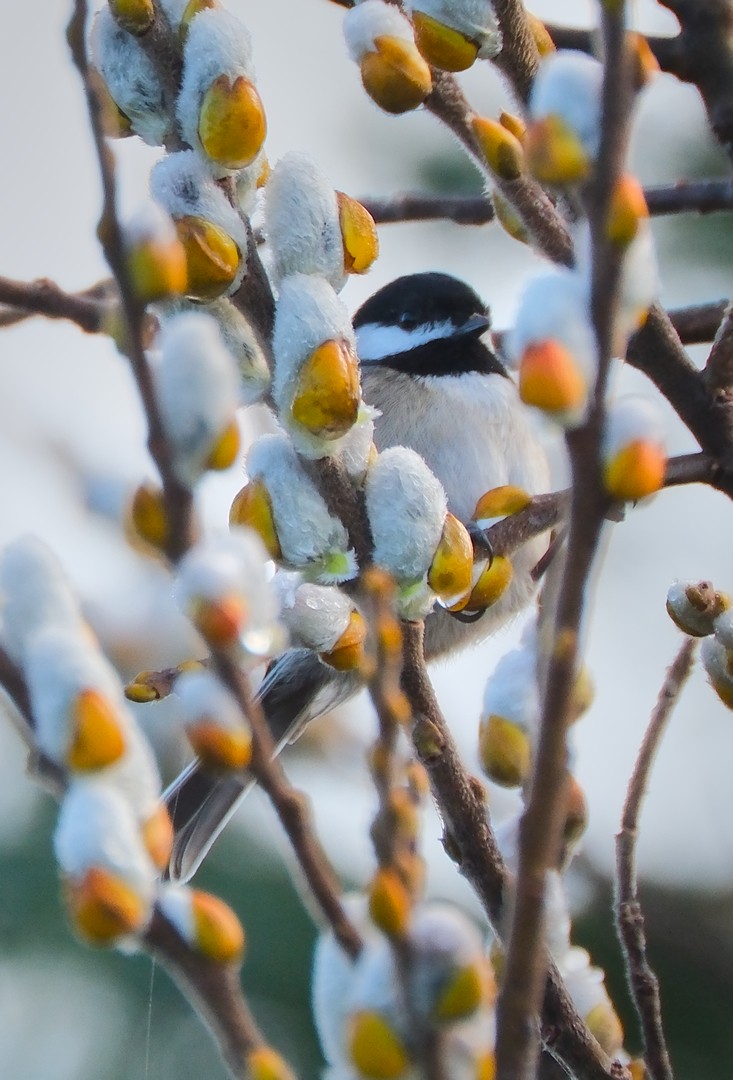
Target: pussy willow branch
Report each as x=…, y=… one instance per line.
x=517, y=1048
x=518, y=60
x=177, y=496
x=212, y=988
x=718, y=373
x=470, y=842
x=629, y=918
x=291, y=808
x=21, y=299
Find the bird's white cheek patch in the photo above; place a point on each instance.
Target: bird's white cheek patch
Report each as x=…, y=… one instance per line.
x=375, y=341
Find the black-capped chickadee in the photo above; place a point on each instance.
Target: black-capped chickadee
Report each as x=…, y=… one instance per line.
x=440, y=390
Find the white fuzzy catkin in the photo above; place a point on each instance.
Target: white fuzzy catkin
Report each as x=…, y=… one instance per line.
x=198, y=390
x=34, y=594
x=406, y=506
x=628, y=419
x=315, y=616
x=96, y=828
x=203, y=697
x=308, y=314
x=370, y=20
x=217, y=43
x=511, y=690
x=131, y=78
x=229, y=565
x=475, y=19
x=302, y=222
x=310, y=536
x=568, y=85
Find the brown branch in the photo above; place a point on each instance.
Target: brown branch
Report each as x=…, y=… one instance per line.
x=690, y=196
x=666, y=50
x=718, y=373
x=470, y=842
x=529, y=199
x=291, y=808
x=629, y=918
x=178, y=499
x=22, y=299
x=698, y=323
x=518, y=59
x=212, y=988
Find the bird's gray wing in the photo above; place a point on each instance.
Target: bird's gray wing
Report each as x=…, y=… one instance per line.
x=297, y=688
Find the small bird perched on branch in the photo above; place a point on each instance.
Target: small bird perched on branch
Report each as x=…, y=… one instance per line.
x=428, y=368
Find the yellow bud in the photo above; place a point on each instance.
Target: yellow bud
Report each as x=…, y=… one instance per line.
x=502, y=150
x=348, y=652
x=252, y=506
x=116, y=124
x=232, y=125
x=441, y=45
x=486, y=1066
x=493, y=581
x=219, y=621
x=327, y=395
x=540, y=33
x=550, y=379
x=225, y=449
x=645, y=63
x=505, y=751
x=449, y=575
x=576, y=811
x=218, y=932
x=582, y=695
x=501, y=501
x=148, y=518
x=406, y=814
x=637, y=1069
x=135, y=16
x=555, y=154
x=264, y=1063
x=396, y=76
x=157, y=834
x=220, y=749
x=140, y=692
x=509, y=219
x=467, y=989
x=375, y=1048
x=390, y=904
x=358, y=233
x=635, y=471
x=514, y=124
x=157, y=270
x=103, y=907
x=628, y=206
x=212, y=257
x=605, y=1025
x=96, y=736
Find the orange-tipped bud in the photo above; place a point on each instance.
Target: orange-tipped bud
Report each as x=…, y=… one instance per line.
x=576, y=812
x=550, y=378
x=348, y=652
x=469, y=988
x=359, y=234
x=505, y=752
x=135, y=16
x=264, y=1063
x=148, y=518
x=103, y=907
x=493, y=581
x=217, y=931
x=97, y=738
x=441, y=45
x=157, y=269
x=220, y=749
x=252, y=506
x=390, y=904
x=449, y=575
x=540, y=33
x=225, y=449
x=219, y=621
x=375, y=1048
x=192, y=8
x=635, y=471
x=501, y=501
x=232, y=124
x=502, y=150
x=554, y=152
x=327, y=395
x=513, y=123
x=646, y=65
x=605, y=1025
x=396, y=76
x=212, y=257
x=509, y=219
x=157, y=834
x=628, y=206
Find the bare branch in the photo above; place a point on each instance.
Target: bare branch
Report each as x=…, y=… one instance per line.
x=629, y=919
x=697, y=324
x=518, y=59
x=718, y=372
x=21, y=299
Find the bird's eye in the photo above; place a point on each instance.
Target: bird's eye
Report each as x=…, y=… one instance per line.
x=408, y=322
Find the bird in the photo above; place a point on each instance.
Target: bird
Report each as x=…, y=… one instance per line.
x=429, y=369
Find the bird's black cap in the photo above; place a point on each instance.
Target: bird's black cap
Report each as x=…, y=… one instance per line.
x=414, y=306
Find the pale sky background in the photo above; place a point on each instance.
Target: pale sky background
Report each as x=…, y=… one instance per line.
x=68, y=408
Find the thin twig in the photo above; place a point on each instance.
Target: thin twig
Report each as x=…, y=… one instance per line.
x=718, y=373
x=518, y=59
x=698, y=323
x=629, y=918
x=178, y=499
x=292, y=810
x=45, y=297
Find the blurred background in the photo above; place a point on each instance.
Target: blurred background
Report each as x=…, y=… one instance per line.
x=72, y=446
